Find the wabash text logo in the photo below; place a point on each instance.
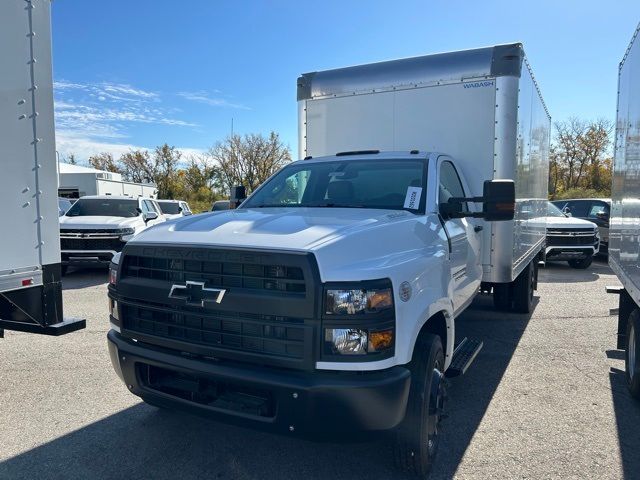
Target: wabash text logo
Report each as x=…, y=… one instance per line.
x=478, y=84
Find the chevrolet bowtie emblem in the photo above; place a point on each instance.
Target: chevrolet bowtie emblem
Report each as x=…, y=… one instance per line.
x=194, y=293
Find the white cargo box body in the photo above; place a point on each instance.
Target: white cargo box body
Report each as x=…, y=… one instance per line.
x=77, y=181
x=482, y=107
x=29, y=179
x=624, y=224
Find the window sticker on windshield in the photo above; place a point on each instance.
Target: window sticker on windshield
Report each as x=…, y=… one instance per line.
x=412, y=200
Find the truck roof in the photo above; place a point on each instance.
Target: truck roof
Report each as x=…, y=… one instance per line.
x=371, y=155
x=495, y=61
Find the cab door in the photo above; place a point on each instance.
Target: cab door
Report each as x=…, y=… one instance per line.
x=464, y=237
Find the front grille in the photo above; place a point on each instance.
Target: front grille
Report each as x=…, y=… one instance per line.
x=219, y=274
x=263, y=334
x=91, y=244
x=268, y=313
x=571, y=237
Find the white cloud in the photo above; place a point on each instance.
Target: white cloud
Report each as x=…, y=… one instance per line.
x=203, y=97
x=98, y=117
x=82, y=146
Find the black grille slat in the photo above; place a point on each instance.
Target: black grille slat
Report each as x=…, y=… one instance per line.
x=571, y=241
x=91, y=244
x=276, y=278
x=281, y=339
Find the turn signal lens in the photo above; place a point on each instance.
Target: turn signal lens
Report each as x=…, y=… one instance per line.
x=379, y=341
x=113, y=276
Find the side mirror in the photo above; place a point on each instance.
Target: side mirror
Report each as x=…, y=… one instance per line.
x=498, y=200
x=238, y=195
x=602, y=215
x=149, y=216
x=180, y=210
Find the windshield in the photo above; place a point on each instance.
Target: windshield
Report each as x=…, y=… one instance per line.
x=385, y=184
x=553, y=211
x=104, y=207
x=170, y=208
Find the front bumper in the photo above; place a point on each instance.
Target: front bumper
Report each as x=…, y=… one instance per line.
x=319, y=405
x=570, y=252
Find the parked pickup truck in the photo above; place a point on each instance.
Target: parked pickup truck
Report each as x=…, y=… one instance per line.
x=325, y=305
x=596, y=210
x=624, y=230
x=570, y=239
x=172, y=209
x=95, y=228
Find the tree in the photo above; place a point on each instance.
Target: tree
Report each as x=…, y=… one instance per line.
x=104, y=161
x=137, y=167
x=580, y=158
x=166, y=160
x=248, y=160
x=198, y=181
x=70, y=159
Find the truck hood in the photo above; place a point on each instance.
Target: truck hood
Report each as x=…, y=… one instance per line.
x=273, y=228
x=98, y=222
x=568, y=222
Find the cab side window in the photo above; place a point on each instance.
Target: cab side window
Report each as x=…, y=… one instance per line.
x=450, y=185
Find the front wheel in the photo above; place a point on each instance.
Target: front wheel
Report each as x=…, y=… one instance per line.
x=417, y=436
x=523, y=288
x=632, y=354
x=582, y=263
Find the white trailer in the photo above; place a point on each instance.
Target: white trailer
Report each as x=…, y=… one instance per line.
x=77, y=181
x=482, y=107
x=624, y=230
x=30, y=288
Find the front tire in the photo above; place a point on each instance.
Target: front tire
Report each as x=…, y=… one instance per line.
x=632, y=354
x=417, y=436
x=582, y=263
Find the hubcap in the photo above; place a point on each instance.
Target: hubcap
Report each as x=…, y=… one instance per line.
x=436, y=407
x=631, y=347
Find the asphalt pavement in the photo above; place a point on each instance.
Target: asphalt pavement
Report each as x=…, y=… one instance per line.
x=544, y=399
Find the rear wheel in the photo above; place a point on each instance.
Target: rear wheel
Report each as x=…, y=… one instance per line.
x=417, y=436
x=632, y=354
x=502, y=297
x=523, y=288
x=582, y=263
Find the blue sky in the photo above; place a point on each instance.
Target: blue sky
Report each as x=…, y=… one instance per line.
x=132, y=74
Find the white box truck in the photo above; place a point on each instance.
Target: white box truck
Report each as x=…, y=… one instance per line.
x=30, y=288
x=624, y=226
x=325, y=305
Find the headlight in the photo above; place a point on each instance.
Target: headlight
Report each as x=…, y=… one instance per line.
x=356, y=341
x=351, y=302
x=126, y=234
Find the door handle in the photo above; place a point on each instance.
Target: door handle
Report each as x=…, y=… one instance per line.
x=478, y=228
